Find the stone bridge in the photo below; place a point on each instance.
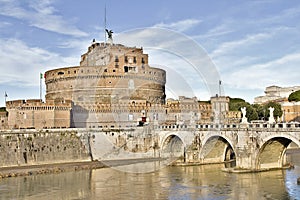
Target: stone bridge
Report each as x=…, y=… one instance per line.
x=252, y=146
x=248, y=146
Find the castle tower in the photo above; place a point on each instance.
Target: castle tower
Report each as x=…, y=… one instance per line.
x=107, y=74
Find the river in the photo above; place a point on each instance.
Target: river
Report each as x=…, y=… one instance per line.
x=172, y=182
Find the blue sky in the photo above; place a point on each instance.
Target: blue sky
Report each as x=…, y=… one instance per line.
x=253, y=44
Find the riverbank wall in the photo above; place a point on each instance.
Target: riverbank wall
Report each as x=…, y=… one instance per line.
x=30, y=147
x=39, y=147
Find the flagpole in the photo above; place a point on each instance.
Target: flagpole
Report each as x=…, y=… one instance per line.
x=5, y=96
x=105, y=23
x=220, y=82
x=41, y=77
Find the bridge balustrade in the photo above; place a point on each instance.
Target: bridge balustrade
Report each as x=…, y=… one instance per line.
x=231, y=126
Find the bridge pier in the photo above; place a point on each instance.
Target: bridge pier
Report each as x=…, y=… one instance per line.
x=245, y=159
x=246, y=150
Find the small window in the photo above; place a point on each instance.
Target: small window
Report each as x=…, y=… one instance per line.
x=125, y=68
x=143, y=61
x=114, y=70
x=60, y=73
x=134, y=59
x=126, y=59
x=105, y=70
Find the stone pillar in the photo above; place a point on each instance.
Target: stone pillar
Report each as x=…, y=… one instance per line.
x=245, y=153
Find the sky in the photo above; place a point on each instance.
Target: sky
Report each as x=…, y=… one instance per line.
x=250, y=44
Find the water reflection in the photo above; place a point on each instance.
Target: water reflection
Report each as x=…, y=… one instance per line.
x=193, y=182
x=68, y=185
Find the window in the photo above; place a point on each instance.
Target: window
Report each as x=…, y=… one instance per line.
x=126, y=59
x=116, y=59
x=134, y=59
x=60, y=73
x=125, y=68
x=143, y=61
x=105, y=70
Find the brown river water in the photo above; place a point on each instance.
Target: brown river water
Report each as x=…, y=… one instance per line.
x=172, y=182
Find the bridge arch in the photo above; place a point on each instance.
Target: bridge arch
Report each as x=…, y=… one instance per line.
x=173, y=146
x=272, y=150
x=217, y=148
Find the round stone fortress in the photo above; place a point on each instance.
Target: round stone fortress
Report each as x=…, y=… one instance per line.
x=108, y=73
x=113, y=87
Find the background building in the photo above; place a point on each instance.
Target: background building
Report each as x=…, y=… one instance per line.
x=275, y=93
x=291, y=110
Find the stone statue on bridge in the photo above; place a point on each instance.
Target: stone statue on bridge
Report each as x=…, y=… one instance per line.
x=244, y=118
x=271, y=118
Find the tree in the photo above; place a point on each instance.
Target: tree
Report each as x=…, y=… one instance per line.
x=251, y=113
x=294, y=96
x=255, y=111
x=260, y=110
x=235, y=104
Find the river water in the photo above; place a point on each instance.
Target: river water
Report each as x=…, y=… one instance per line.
x=172, y=182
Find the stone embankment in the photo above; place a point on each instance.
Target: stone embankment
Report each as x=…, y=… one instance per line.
x=6, y=172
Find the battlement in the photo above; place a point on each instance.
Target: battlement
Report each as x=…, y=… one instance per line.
x=37, y=104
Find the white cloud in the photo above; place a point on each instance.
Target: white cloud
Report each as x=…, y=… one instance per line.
x=282, y=71
x=181, y=55
x=42, y=15
x=219, y=30
x=180, y=26
x=228, y=47
x=21, y=64
x=4, y=24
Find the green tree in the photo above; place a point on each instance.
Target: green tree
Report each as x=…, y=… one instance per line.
x=260, y=110
x=235, y=104
x=251, y=113
x=294, y=96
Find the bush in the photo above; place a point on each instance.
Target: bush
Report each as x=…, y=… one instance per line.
x=294, y=96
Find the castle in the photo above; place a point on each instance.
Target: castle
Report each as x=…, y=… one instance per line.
x=113, y=87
